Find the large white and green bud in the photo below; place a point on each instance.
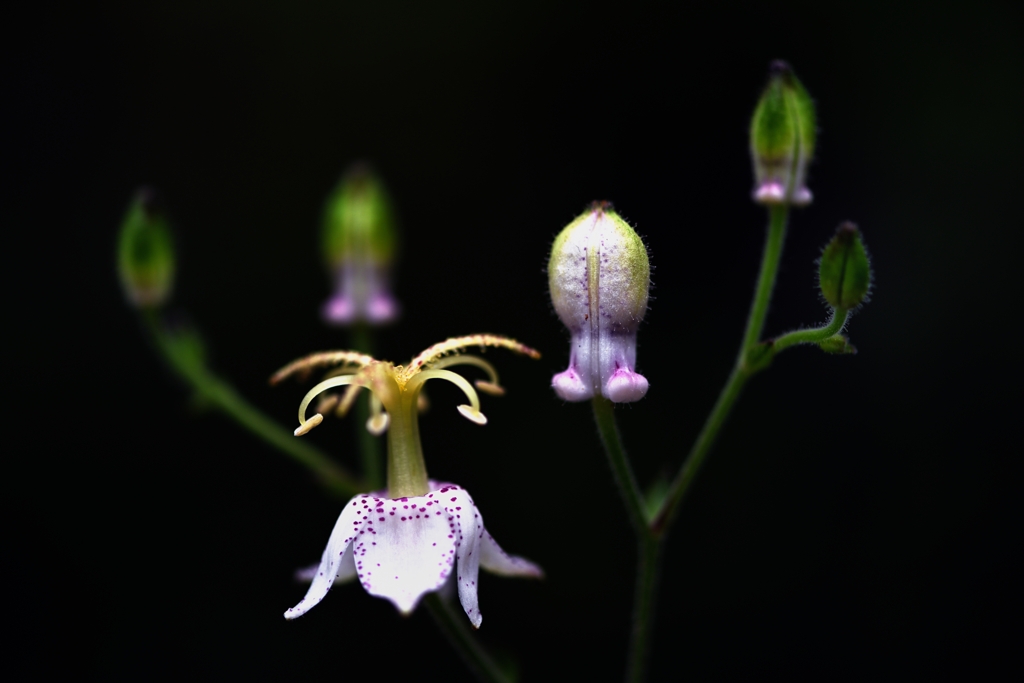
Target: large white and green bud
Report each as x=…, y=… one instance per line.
x=599, y=275
x=359, y=247
x=782, y=137
x=145, y=252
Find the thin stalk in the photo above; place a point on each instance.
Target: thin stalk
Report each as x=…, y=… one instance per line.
x=777, y=217
x=453, y=625
x=222, y=395
x=647, y=570
x=604, y=415
x=648, y=544
x=369, y=445
x=813, y=335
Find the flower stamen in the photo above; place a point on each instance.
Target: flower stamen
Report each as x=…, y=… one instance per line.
x=472, y=411
x=313, y=393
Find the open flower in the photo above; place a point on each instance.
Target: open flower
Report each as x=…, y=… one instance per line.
x=407, y=541
x=403, y=548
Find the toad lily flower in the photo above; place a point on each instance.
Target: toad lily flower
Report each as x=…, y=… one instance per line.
x=406, y=542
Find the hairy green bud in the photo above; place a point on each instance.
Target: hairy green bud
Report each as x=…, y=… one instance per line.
x=844, y=272
x=782, y=137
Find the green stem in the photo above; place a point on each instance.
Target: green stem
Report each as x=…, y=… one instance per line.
x=453, y=625
x=766, y=280
x=813, y=335
x=647, y=570
x=223, y=396
x=648, y=544
x=604, y=415
x=369, y=445
x=662, y=520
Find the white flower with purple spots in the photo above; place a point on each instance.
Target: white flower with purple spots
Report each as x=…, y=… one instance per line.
x=404, y=548
x=406, y=542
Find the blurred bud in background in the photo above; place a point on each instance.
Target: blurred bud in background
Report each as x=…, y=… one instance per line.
x=359, y=248
x=598, y=276
x=782, y=137
x=145, y=252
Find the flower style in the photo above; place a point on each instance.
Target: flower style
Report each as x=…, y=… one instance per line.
x=407, y=541
x=598, y=276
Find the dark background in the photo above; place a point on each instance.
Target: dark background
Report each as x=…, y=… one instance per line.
x=859, y=517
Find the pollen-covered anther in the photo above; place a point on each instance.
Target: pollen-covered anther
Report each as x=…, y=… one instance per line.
x=472, y=414
x=378, y=424
x=308, y=425
x=489, y=387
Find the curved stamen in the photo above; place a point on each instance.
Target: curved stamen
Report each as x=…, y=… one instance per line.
x=472, y=411
x=379, y=420
x=435, y=352
x=492, y=386
x=313, y=393
x=303, y=366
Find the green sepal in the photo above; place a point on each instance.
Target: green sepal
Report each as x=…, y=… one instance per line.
x=838, y=344
x=844, y=272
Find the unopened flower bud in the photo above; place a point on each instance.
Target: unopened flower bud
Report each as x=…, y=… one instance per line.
x=599, y=274
x=359, y=247
x=145, y=252
x=782, y=135
x=844, y=272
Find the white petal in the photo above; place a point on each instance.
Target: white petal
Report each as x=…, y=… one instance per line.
x=347, y=572
x=469, y=528
x=497, y=561
x=335, y=562
x=407, y=550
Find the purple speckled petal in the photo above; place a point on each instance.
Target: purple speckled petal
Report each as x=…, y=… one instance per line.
x=334, y=562
x=469, y=529
x=407, y=548
x=346, y=573
x=497, y=561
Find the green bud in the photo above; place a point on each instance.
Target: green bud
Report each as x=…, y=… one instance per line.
x=145, y=252
x=844, y=272
x=359, y=246
x=358, y=220
x=782, y=136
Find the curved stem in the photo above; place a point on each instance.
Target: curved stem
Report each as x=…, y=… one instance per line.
x=223, y=396
x=604, y=415
x=813, y=335
x=777, y=216
x=453, y=625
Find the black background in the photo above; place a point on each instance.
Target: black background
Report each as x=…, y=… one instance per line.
x=859, y=517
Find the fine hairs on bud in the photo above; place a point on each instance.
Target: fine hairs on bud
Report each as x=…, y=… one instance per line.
x=599, y=275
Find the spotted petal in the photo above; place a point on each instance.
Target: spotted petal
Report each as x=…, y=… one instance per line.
x=407, y=549
x=336, y=561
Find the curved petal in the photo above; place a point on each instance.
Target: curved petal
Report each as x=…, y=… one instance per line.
x=334, y=564
x=497, y=561
x=468, y=527
x=407, y=550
